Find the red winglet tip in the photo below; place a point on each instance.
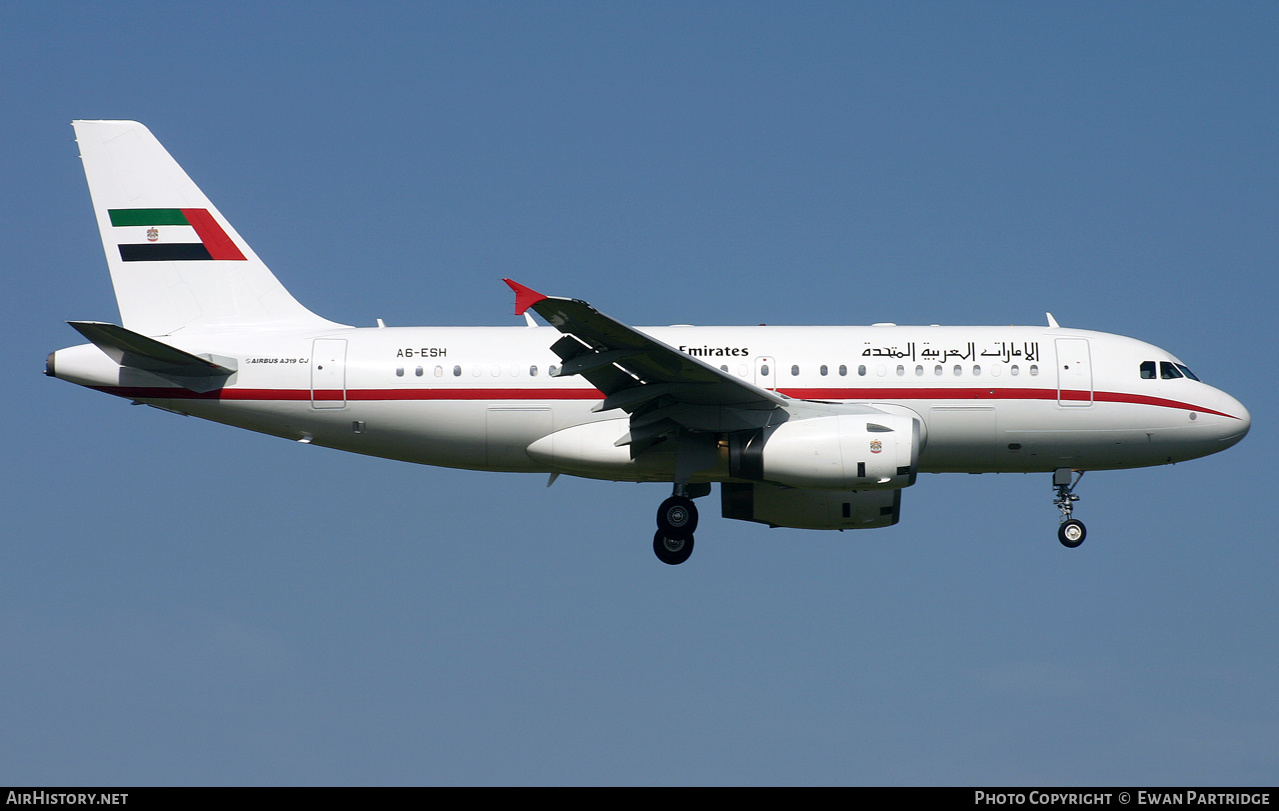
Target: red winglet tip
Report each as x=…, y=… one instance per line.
x=525, y=297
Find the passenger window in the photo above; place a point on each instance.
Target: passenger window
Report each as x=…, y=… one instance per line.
x=1034, y=370
x=399, y=371
x=843, y=370
x=958, y=370
x=457, y=371
x=1016, y=370
x=1147, y=370
x=1168, y=371
x=919, y=371
x=823, y=370
x=439, y=371
x=794, y=371
x=418, y=371
x=976, y=371
x=901, y=371
x=553, y=370
x=937, y=370
x=861, y=371
x=532, y=371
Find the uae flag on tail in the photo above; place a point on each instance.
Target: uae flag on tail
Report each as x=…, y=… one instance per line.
x=167, y=234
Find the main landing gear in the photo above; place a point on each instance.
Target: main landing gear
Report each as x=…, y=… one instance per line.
x=676, y=520
x=1072, y=531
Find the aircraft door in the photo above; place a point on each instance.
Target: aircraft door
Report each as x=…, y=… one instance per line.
x=328, y=373
x=765, y=373
x=1074, y=372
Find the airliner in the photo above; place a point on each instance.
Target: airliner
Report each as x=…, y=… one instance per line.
x=801, y=426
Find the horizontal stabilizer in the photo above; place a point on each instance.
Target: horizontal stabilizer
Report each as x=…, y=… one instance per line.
x=135, y=351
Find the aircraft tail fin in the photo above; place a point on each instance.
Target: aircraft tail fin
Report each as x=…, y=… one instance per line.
x=175, y=261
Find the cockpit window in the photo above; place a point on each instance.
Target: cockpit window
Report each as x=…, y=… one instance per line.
x=1167, y=370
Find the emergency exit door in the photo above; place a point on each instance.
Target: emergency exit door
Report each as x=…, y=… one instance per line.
x=328, y=373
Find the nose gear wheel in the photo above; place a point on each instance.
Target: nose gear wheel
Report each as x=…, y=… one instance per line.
x=1072, y=532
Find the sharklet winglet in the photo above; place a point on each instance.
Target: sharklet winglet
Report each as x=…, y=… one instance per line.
x=525, y=297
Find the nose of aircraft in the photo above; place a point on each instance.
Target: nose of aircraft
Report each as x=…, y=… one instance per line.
x=1233, y=430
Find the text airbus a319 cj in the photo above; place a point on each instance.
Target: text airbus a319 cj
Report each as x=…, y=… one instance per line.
x=808, y=427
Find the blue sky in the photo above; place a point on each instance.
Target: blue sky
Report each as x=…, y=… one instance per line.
x=185, y=603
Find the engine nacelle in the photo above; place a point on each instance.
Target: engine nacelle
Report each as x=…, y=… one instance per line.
x=810, y=509
x=840, y=452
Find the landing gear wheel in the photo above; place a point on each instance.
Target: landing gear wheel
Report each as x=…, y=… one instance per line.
x=1072, y=533
x=677, y=515
x=672, y=548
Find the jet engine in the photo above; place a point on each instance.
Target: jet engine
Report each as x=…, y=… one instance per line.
x=839, y=452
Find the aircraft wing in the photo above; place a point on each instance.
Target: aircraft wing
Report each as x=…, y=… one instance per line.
x=661, y=387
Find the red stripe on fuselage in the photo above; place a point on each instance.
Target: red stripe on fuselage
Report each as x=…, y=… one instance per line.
x=541, y=394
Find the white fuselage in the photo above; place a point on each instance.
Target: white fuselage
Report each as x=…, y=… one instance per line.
x=989, y=398
x=804, y=427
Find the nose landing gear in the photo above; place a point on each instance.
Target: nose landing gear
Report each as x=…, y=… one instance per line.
x=1072, y=531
